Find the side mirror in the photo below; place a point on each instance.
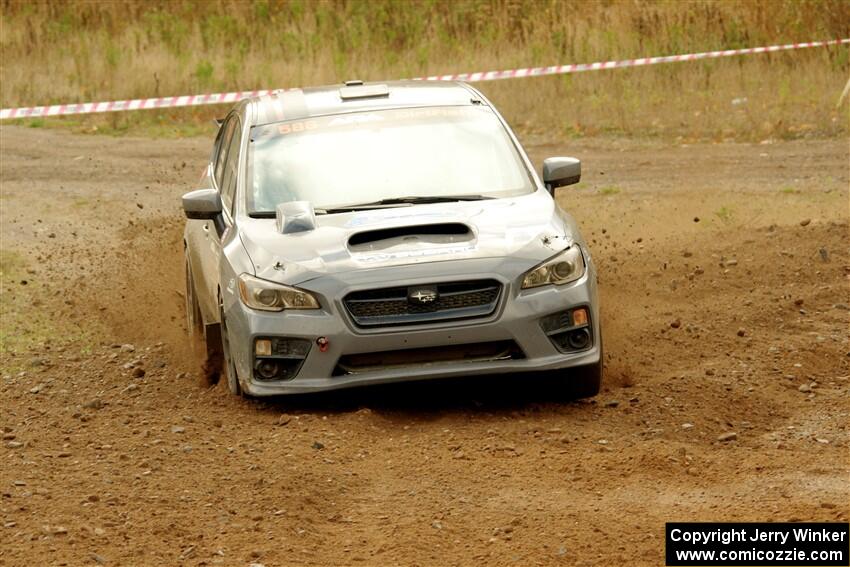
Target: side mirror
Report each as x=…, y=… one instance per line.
x=202, y=204
x=560, y=171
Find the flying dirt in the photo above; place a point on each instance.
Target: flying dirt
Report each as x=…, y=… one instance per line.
x=723, y=273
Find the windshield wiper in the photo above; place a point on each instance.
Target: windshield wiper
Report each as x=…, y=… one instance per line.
x=383, y=204
x=401, y=201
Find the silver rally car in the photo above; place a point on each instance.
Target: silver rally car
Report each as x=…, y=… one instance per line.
x=369, y=233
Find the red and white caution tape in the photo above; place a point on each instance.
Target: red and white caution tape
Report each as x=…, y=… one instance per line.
x=578, y=68
x=222, y=98
x=135, y=104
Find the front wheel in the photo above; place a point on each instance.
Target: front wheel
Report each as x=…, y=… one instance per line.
x=204, y=340
x=227, y=360
x=578, y=382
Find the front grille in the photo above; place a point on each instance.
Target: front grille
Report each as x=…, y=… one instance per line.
x=391, y=306
x=476, y=352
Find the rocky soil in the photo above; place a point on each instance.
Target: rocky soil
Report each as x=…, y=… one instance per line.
x=724, y=275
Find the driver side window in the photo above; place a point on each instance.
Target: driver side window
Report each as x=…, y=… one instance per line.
x=231, y=166
x=223, y=147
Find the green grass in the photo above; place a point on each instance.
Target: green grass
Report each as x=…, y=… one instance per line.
x=11, y=264
x=79, y=50
x=609, y=190
x=724, y=213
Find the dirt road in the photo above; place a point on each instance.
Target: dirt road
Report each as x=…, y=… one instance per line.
x=724, y=277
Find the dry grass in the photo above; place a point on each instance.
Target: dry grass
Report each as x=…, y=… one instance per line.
x=61, y=52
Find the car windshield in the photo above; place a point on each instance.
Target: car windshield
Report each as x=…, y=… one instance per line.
x=366, y=157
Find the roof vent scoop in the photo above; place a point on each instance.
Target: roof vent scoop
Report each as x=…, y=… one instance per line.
x=356, y=89
x=295, y=216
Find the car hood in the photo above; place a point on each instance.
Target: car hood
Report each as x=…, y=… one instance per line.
x=531, y=227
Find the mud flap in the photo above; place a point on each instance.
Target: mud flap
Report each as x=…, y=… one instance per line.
x=213, y=359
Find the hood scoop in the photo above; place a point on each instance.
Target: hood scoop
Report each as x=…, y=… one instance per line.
x=295, y=216
x=442, y=233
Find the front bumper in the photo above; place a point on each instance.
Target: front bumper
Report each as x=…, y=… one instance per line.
x=517, y=318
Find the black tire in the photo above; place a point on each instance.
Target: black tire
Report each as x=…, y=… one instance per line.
x=579, y=382
x=213, y=359
x=204, y=340
x=585, y=381
x=227, y=361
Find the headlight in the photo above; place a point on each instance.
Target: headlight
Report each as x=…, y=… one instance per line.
x=269, y=296
x=566, y=267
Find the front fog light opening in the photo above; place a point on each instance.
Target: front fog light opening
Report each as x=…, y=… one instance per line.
x=275, y=369
x=279, y=358
x=263, y=347
x=580, y=317
x=578, y=339
x=267, y=369
x=569, y=331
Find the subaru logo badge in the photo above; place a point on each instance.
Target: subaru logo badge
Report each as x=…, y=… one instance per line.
x=422, y=295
